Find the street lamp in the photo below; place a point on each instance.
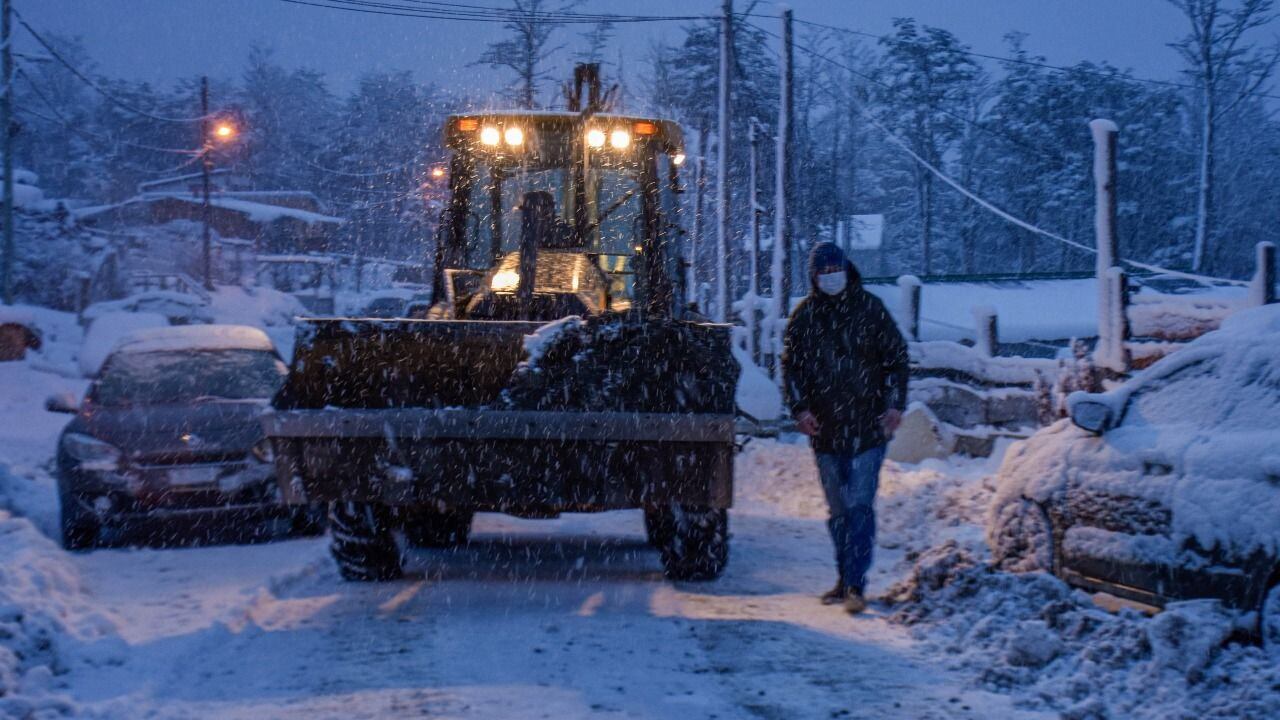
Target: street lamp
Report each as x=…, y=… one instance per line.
x=211, y=132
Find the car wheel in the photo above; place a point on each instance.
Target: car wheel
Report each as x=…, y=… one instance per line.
x=1269, y=622
x=361, y=542
x=1022, y=538
x=431, y=529
x=696, y=546
x=79, y=528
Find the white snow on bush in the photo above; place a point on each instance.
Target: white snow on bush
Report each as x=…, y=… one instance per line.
x=537, y=342
x=756, y=393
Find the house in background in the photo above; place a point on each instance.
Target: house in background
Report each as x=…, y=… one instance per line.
x=272, y=221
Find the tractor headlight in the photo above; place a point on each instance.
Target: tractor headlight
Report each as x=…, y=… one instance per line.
x=505, y=281
x=620, y=139
x=677, y=159
x=490, y=135
x=514, y=136
x=91, y=453
x=595, y=138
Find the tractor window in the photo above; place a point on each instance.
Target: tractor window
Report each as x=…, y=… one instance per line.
x=614, y=222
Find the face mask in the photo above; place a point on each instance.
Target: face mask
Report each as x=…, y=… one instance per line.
x=832, y=283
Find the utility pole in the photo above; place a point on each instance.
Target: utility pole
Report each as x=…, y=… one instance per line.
x=722, y=165
x=781, y=268
x=6, y=126
x=753, y=262
x=206, y=166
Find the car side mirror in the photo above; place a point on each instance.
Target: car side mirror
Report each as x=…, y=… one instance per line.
x=1092, y=416
x=62, y=403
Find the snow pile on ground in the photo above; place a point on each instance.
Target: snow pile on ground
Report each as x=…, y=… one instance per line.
x=46, y=624
x=1034, y=636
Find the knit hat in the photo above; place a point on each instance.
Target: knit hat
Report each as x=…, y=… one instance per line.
x=824, y=255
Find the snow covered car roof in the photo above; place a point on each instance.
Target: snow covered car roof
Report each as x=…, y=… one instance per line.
x=195, y=338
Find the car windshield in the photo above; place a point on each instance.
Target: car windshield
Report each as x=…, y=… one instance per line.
x=169, y=377
x=1191, y=394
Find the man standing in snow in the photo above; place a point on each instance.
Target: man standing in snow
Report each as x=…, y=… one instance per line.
x=845, y=368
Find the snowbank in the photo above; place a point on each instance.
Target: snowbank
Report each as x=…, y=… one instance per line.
x=48, y=624
x=1033, y=635
x=756, y=394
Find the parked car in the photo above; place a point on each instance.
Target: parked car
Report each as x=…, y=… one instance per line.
x=390, y=304
x=178, y=308
x=168, y=430
x=1165, y=488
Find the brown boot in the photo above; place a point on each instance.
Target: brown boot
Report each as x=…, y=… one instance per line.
x=854, y=603
x=835, y=595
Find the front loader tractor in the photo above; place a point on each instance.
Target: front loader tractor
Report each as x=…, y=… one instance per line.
x=556, y=370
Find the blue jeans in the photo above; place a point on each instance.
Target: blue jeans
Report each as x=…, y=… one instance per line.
x=850, y=483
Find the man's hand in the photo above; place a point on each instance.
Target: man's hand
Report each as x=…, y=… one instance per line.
x=890, y=421
x=807, y=423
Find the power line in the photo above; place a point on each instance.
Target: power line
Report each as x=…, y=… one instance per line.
x=62, y=119
x=486, y=14
x=88, y=81
x=991, y=207
x=1031, y=149
x=1026, y=62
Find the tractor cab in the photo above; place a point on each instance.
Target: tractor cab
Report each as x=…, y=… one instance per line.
x=559, y=213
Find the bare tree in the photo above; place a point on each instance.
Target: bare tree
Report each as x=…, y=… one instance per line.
x=530, y=24
x=1227, y=71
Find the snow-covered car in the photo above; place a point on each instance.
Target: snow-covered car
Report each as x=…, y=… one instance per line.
x=168, y=430
x=389, y=304
x=1165, y=488
x=178, y=308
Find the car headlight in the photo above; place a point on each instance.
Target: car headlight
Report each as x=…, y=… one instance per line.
x=90, y=452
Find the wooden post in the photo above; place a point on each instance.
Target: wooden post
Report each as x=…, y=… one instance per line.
x=1116, y=355
x=724, y=263
x=987, y=329
x=1262, y=289
x=909, y=306
x=1104, y=222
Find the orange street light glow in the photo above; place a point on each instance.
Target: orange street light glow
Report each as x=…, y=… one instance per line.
x=224, y=131
x=437, y=172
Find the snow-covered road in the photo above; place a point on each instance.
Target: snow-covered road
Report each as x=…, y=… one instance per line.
x=535, y=619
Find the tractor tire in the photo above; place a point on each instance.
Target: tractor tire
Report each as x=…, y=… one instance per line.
x=1269, y=622
x=307, y=520
x=432, y=529
x=79, y=528
x=1021, y=538
x=361, y=542
x=697, y=547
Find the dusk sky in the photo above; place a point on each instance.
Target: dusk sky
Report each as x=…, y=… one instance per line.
x=159, y=40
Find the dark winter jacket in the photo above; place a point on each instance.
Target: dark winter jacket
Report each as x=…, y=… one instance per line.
x=844, y=360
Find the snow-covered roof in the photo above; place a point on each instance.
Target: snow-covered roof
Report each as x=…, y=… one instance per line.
x=315, y=259
x=195, y=337
x=16, y=316
x=179, y=178
x=255, y=211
